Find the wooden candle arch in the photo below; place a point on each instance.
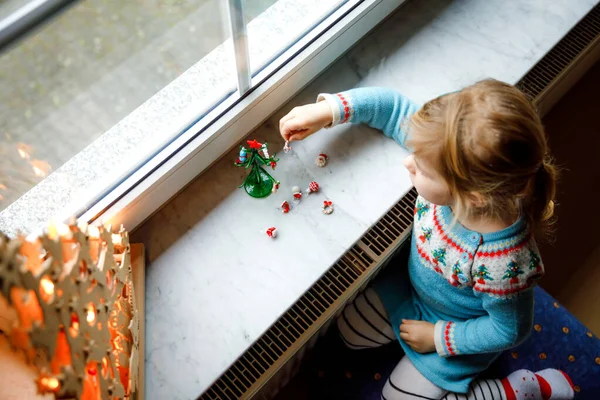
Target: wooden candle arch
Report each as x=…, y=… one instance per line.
x=74, y=311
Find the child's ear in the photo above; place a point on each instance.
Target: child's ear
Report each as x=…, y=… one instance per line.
x=477, y=199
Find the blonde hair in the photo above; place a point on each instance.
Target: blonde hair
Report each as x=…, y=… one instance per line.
x=488, y=144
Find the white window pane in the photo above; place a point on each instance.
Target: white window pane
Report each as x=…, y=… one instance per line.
x=274, y=25
x=87, y=69
x=7, y=7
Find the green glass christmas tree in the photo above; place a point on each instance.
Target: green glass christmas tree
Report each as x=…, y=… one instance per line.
x=259, y=183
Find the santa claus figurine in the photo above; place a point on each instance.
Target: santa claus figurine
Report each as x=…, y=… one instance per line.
x=321, y=160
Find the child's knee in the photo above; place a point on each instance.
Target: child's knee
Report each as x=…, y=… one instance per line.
x=390, y=392
x=346, y=333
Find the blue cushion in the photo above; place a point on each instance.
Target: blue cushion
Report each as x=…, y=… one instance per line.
x=558, y=340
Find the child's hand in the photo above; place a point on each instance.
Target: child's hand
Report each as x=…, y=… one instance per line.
x=303, y=121
x=418, y=335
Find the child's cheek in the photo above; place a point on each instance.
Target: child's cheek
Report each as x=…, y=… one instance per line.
x=420, y=185
x=411, y=177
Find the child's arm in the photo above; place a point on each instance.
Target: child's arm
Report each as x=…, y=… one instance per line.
x=380, y=108
x=508, y=323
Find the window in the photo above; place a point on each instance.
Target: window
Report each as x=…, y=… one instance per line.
x=106, y=100
x=77, y=76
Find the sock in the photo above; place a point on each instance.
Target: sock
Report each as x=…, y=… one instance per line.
x=560, y=385
x=549, y=384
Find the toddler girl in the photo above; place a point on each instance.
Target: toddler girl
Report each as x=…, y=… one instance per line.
x=481, y=165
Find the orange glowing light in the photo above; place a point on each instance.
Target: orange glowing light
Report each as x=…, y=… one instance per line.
x=63, y=230
x=93, y=231
x=47, y=286
x=74, y=328
x=50, y=384
x=2, y=187
x=117, y=239
x=40, y=168
x=52, y=230
x=91, y=314
x=24, y=151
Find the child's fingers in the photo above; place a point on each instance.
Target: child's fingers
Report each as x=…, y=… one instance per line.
x=409, y=321
x=404, y=336
x=294, y=130
x=299, y=135
x=284, y=131
x=288, y=127
x=284, y=119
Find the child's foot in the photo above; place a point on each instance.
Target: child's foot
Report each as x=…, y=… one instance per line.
x=559, y=382
x=549, y=384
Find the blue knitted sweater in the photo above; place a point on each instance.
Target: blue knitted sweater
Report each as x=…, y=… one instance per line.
x=476, y=288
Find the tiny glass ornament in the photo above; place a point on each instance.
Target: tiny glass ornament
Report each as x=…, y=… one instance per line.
x=297, y=193
x=272, y=232
x=321, y=160
x=275, y=187
x=286, y=147
x=265, y=150
x=327, y=207
x=242, y=156
x=313, y=187
x=285, y=207
x=258, y=183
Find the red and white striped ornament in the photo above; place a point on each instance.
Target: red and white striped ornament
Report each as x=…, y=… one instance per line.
x=313, y=187
x=287, y=147
x=265, y=150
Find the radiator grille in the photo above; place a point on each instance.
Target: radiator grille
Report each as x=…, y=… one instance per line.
x=393, y=224
x=581, y=37
x=293, y=330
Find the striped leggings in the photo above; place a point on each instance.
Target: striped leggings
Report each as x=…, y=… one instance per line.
x=364, y=324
